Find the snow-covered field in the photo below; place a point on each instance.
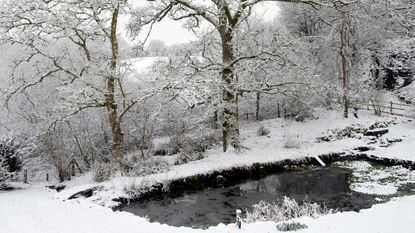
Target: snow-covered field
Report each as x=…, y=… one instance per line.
x=37, y=209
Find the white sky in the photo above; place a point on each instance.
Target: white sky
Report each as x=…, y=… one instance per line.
x=172, y=32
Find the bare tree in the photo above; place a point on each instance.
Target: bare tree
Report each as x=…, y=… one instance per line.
x=156, y=48
x=225, y=17
x=84, y=63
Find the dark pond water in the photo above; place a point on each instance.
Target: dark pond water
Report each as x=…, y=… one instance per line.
x=200, y=208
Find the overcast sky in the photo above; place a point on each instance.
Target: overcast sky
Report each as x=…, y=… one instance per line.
x=172, y=32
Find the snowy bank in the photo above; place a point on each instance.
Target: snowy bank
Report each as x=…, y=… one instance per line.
x=268, y=149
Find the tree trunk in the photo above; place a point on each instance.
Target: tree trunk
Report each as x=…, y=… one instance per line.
x=258, y=106
x=111, y=105
x=142, y=146
x=216, y=119
x=344, y=40
x=230, y=117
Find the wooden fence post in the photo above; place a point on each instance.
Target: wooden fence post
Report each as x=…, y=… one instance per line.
x=379, y=107
x=47, y=176
x=278, y=110
x=25, y=177
x=391, y=108
x=73, y=169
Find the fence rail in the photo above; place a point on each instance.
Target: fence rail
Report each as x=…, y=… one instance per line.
x=382, y=107
x=391, y=108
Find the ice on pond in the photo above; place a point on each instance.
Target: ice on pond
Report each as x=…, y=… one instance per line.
x=378, y=180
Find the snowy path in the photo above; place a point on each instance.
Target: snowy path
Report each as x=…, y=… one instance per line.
x=35, y=210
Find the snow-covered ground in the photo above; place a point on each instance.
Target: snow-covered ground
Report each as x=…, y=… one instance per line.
x=37, y=209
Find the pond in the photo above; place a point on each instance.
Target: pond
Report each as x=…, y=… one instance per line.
x=332, y=186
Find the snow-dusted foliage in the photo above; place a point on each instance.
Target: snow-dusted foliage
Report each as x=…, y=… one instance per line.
x=298, y=108
x=145, y=133
x=290, y=226
x=134, y=189
x=138, y=166
x=12, y=152
x=186, y=157
x=287, y=209
x=193, y=147
x=219, y=72
x=355, y=32
x=53, y=147
x=189, y=144
x=4, y=173
x=262, y=131
x=82, y=71
x=102, y=171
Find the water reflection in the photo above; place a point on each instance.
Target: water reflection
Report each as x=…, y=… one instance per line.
x=216, y=205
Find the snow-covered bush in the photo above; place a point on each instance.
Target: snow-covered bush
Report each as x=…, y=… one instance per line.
x=164, y=149
x=287, y=209
x=176, y=131
x=166, y=184
x=139, y=166
x=200, y=143
x=377, y=100
x=134, y=189
x=172, y=147
x=54, y=150
x=262, y=131
x=193, y=148
x=290, y=226
x=143, y=120
x=175, y=143
x=189, y=148
x=4, y=173
x=298, y=110
x=184, y=157
x=11, y=151
x=292, y=142
x=102, y=172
